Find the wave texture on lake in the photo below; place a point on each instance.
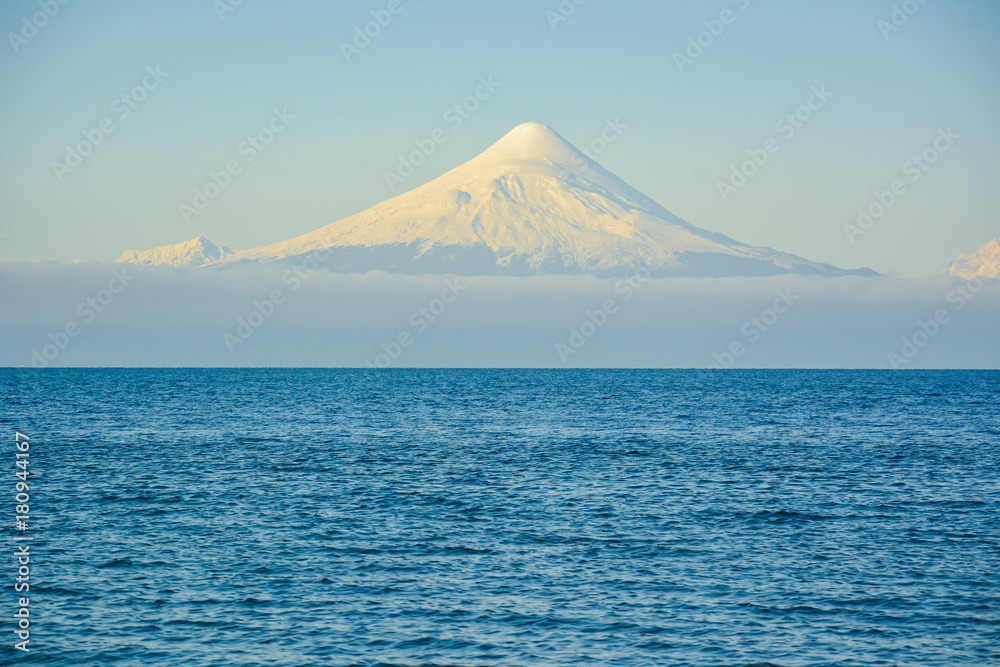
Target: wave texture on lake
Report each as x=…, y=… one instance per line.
x=521, y=517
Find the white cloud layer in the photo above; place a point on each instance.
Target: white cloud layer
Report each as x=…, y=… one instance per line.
x=98, y=315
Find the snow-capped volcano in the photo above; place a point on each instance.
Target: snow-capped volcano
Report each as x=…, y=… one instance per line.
x=530, y=204
x=198, y=251
x=984, y=263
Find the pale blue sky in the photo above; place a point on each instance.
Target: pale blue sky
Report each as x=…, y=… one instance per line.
x=608, y=59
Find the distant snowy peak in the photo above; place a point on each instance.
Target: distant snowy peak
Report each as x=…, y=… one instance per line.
x=530, y=141
x=984, y=263
x=533, y=148
x=529, y=204
x=537, y=148
x=198, y=251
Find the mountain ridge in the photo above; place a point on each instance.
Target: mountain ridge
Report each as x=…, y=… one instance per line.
x=198, y=251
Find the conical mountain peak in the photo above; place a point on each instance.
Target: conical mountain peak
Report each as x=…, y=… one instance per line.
x=532, y=141
x=529, y=204
x=534, y=151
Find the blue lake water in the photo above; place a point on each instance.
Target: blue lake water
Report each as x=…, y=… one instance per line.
x=492, y=517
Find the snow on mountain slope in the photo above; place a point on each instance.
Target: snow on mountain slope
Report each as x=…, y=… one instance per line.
x=984, y=263
x=529, y=204
x=198, y=251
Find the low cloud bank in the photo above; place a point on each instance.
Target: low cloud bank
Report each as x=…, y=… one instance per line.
x=112, y=315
